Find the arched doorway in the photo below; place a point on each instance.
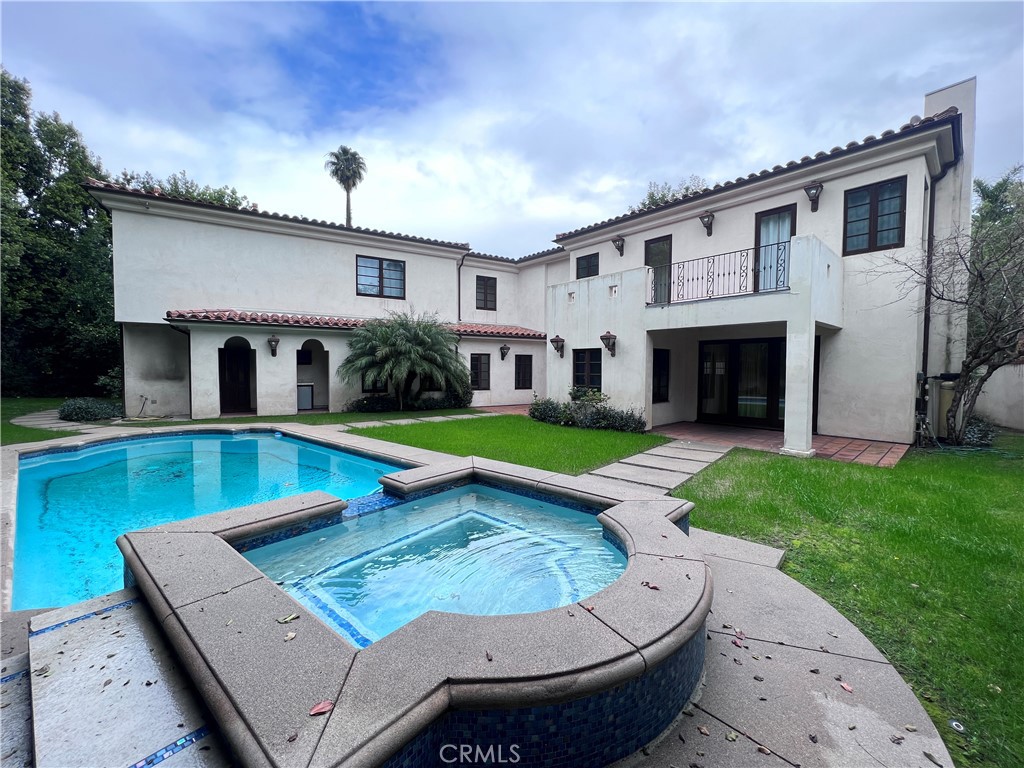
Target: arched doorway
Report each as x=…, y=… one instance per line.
x=312, y=376
x=237, y=361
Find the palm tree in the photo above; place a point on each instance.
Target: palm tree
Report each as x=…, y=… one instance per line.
x=347, y=168
x=405, y=351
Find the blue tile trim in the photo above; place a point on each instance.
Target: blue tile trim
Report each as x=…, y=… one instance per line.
x=173, y=748
x=13, y=676
x=100, y=612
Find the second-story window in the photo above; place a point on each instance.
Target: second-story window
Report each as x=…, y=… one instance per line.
x=384, y=278
x=486, y=292
x=586, y=266
x=875, y=217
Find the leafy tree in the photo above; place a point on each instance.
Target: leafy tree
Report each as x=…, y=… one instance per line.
x=347, y=168
x=57, y=280
x=979, y=279
x=659, y=194
x=180, y=185
x=403, y=351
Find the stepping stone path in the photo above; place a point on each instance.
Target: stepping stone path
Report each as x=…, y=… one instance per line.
x=665, y=467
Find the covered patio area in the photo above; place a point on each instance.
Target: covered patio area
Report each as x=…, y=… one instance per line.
x=845, y=449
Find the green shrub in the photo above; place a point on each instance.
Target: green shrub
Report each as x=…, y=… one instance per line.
x=373, y=404
x=110, y=383
x=89, y=409
x=587, y=409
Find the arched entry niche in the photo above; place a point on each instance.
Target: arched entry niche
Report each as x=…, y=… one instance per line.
x=312, y=367
x=237, y=361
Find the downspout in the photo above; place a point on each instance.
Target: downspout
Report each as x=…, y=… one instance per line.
x=458, y=288
x=930, y=256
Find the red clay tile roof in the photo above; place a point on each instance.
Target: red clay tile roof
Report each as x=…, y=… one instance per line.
x=914, y=125
x=330, y=321
x=253, y=210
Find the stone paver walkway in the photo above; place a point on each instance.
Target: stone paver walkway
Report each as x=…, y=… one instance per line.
x=846, y=449
x=665, y=467
x=50, y=420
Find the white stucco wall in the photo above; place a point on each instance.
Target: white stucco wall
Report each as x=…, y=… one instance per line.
x=156, y=366
x=1002, y=399
x=503, y=391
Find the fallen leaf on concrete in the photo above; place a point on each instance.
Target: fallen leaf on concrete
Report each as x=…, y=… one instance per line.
x=852, y=727
x=815, y=671
x=570, y=613
x=737, y=643
x=489, y=657
x=682, y=738
x=846, y=687
x=322, y=708
x=759, y=678
x=832, y=634
x=731, y=736
x=756, y=657
x=764, y=750
x=761, y=698
x=737, y=661
x=897, y=740
x=703, y=730
x=107, y=682
x=289, y=636
x=813, y=738
x=293, y=737
x=767, y=656
x=230, y=622
x=288, y=619
x=910, y=728
x=740, y=634
x=838, y=678
x=589, y=607
x=931, y=757
x=727, y=626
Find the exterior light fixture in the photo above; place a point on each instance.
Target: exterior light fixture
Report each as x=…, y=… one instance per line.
x=707, y=219
x=608, y=339
x=620, y=243
x=559, y=344
x=504, y=348
x=273, y=341
x=813, y=191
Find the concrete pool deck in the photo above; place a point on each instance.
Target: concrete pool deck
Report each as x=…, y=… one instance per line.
x=777, y=660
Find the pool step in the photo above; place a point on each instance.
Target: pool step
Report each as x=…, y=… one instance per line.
x=107, y=690
x=16, y=713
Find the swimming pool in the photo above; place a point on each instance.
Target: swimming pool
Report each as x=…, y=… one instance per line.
x=72, y=505
x=471, y=550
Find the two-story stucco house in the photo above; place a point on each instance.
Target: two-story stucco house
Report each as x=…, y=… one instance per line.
x=768, y=301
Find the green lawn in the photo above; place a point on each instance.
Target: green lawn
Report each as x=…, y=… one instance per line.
x=520, y=440
x=926, y=558
x=12, y=407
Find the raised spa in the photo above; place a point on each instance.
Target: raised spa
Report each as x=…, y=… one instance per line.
x=73, y=504
x=473, y=550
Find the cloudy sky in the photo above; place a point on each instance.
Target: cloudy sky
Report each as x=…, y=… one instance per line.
x=502, y=124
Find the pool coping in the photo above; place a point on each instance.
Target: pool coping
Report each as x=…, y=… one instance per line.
x=199, y=587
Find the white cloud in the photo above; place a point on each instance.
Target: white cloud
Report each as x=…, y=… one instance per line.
x=500, y=124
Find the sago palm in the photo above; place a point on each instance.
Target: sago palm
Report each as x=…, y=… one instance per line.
x=404, y=351
x=347, y=168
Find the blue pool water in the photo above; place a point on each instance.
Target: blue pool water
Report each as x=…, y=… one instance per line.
x=72, y=506
x=474, y=550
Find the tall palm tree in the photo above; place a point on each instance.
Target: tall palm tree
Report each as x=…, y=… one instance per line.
x=347, y=168
x=404, y=351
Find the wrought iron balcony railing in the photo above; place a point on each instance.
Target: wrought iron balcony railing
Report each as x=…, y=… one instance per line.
x=752, y=270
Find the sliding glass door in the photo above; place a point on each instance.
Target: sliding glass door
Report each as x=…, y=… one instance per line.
x=743, y=382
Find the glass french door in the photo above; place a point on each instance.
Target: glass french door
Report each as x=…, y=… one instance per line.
x=773, y=231
x=743, y=382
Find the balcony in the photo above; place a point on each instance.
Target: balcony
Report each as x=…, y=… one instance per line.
x=738, y=273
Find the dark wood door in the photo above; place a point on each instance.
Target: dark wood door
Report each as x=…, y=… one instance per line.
x=234, y=380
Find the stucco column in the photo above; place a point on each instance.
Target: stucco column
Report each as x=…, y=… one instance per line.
x=799, y=388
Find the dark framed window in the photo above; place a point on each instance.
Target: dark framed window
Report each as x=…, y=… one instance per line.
x=875, y=217
x=486, y=292
x=378, y=388
x=658, y=256
x=380, y=277
x=586, y=368
x=524, y=371
x=586, y=266
x=659, y=377
x=480, y=371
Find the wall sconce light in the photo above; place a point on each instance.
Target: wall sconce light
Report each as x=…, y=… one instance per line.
x=273, y=341
x=813, y=191
x=559, y=344
x=504, y=348
x=620, y=243
x=608, y=339
x=707, y=219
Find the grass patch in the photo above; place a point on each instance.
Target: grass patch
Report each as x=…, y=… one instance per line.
x=12, y=407
x=520, y=440
x=926, y=558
